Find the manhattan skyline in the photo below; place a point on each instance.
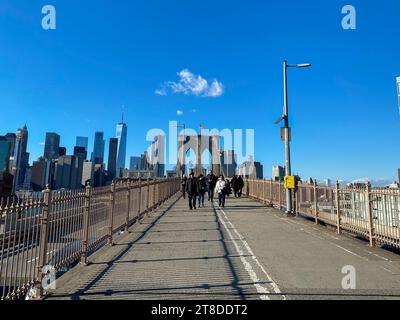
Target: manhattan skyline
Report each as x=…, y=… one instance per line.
x=74, y=80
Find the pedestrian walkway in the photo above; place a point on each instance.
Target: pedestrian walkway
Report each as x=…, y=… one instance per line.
x=244, y=251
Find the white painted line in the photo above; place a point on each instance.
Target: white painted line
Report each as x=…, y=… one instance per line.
x=325, y=239
x=247, y=265
x=380, y=257
x=351, y=252
x=302, y=229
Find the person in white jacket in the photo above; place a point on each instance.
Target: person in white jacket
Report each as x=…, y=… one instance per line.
x=220, y=190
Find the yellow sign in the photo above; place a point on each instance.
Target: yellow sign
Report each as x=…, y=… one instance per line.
x=290, y=182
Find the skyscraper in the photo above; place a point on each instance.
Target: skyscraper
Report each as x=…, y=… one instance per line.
x=98, y=148
x=157, y=156
x=20, y=158
x=41, y=173
x=62, y=151
x=80, y=152
x=112, y=158
x=144, y=161
x=135, y=164
x=51, y=146
x=278, y=173
x=87, y=173
x=12, y=139
x=5, y=154
x=122, y=132
x=398, y=90
x=82, y=142
x=68, y=172
x=228, y=163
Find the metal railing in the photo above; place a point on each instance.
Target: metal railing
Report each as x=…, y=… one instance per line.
x=371, y=213
x=61, y=228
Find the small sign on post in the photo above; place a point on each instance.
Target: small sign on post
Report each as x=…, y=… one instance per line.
x=285, y=133
x=289, y=182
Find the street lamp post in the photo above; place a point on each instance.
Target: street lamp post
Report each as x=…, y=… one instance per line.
x=223, y=153
x=286, y=128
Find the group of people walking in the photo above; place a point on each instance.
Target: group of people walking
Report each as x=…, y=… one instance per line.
x=196, y=188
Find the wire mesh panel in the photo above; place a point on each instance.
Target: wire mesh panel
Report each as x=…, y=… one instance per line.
x=386, y=215
x=134, y=199
x=326, y=204
x=305, y=194
x=100, y=204
x=269, y=190
x=275, y=193
x=65, y=227
x=281, y=195
x=56, y=228
x=120, y=206
x=353, y=211
x=19, y=245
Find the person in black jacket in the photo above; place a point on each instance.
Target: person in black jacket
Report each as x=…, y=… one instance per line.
x=211, y=180
x=240, y=185
x=228, y=189
x=235, y=186
x=183, y=186
x=192, y=190
x=202, y=189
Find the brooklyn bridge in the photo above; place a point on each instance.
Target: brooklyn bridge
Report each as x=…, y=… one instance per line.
x=136, y=239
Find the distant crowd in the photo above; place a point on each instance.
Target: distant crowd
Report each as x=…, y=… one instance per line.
x=195, y=188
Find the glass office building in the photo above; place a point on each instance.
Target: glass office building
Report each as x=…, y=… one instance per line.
x=122, y=132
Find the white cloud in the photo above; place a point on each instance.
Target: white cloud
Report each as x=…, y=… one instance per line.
x=179, y=113
x=191, y=84
x=160, y=92
x=41, y=143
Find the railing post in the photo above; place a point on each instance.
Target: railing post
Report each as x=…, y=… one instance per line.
x=154, y=195
x=111, y=214
x=129, y=206
x=140, y=200
x=166, y=187
x=339, y=231
x=279, y=195
x=297, y=201
x=271, y=199
x=44, y=234
x=370, y=217
x=148, y=196
x=86, y=212
x=316, y=202
x=264, y=182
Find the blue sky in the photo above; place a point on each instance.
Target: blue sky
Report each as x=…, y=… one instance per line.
x=105, y=54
